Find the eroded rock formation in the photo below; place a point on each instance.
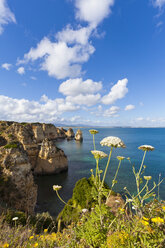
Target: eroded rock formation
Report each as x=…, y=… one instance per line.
x=79, y=136
x=50, y=159
x=17, y=187
x=27, y=147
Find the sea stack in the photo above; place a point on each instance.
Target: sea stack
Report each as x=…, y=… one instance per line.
x=79, y=136
x=70, y=134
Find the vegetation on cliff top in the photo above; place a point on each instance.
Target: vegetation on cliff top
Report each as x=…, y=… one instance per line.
x=87, y=219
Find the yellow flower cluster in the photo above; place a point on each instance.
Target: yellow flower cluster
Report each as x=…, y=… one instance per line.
x=144, y=222
x=6, y=245
x=157, y=220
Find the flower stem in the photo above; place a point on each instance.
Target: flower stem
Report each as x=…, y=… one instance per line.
x=113, y=182
x=97, y=166
x=94, y=142
x=62, y=199
x=105, y=172
x=138, y=174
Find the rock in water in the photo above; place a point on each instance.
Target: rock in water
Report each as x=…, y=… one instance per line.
x=70, y=134
x=50, y=159
x=79, y=136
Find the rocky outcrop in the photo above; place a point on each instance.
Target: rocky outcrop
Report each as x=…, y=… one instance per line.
x=70, y=134
x=17, y=187
x=79, y=136
x=34, y=137
x=61, y=133
x=50, y=159
x=27, y=148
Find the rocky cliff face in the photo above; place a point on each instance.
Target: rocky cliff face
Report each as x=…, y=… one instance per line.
x=32, y=136
x=27, y=147
x=17, y=187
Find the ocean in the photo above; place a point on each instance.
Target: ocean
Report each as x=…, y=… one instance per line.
x=81, y=161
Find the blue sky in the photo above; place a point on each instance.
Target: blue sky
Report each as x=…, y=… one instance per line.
x=91, y=62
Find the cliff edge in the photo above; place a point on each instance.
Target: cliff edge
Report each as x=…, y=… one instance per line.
x=27, y=148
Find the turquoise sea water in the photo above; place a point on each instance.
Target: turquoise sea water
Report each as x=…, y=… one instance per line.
x=81, y=161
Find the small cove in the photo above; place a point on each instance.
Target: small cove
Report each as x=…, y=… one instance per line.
x=81, y=161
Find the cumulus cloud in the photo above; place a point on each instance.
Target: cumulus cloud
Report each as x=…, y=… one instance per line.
x=6, y=66
x=74, y=87
x=93, y=11
x=118, y=91
x=159, y=3
x=63, y=57
x=6, y=16
x=111, y=112
x=88, y=99
x=21, y=70
x=59, y=59
x=70, y=36
x=24, y=110
x=129, y=107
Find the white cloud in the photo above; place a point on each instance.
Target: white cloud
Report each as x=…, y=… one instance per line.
x=129, y=107
x=21, y=70
x=63, y=57
x=111, y=111
x=93, y=11
x=74, y=87
x=6, y=16
x=88, y=99
x=6, y=66
x=24, y=110
x=149, y=122
x=59, y=59
x=159, y=3
x=118, y=91
x=71, y=36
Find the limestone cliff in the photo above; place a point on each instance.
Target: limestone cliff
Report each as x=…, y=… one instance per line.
x=24, y=148
x=17, y=187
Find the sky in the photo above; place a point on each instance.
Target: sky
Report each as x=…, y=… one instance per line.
x=89, y=62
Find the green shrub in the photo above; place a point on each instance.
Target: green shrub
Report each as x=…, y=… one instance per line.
x=11, y=145
x=81, y=198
